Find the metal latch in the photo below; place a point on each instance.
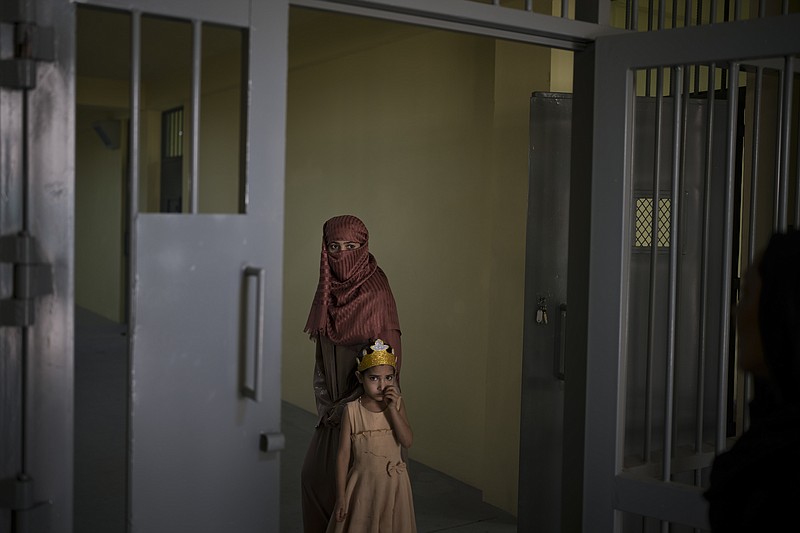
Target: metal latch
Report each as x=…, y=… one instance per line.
x=16, y=495
x=31, y=43
x=32, y=278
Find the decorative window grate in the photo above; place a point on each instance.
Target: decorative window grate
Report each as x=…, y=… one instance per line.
x=643, y=222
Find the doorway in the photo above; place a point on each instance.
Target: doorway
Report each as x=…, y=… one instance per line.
x=324, y=148
x=423, y=134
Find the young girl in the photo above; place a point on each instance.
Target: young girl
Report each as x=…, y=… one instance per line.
x=375, y=493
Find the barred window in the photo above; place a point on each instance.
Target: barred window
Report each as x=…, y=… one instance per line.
x=172, y=133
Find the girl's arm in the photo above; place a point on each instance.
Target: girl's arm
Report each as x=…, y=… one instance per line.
x=396, y=411
x=342, y=463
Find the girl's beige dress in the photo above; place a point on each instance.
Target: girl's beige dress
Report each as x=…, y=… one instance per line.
x=378, y=488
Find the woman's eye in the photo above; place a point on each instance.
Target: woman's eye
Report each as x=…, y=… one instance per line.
x=389, y=378
x=351, y=246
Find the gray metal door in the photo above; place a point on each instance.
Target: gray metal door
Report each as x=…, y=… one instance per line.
x=205, y=296
x=543, y=373
x=679, y=439
x=544, y=365
x=205, y=282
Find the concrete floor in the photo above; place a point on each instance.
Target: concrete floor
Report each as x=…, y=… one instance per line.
x=441, y=502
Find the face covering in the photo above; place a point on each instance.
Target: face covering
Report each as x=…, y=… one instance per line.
x=353, y=302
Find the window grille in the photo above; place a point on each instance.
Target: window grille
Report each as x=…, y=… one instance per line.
x=643, y=236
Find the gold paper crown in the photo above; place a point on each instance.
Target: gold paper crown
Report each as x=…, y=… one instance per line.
x=380, y=356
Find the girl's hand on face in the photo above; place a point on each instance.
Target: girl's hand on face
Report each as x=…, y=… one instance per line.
x=392, y=397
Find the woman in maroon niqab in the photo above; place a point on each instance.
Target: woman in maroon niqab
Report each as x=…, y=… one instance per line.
x=353, y=302
x=352, y=307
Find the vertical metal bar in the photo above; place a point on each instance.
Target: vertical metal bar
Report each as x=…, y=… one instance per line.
x=737, y=10
x=776, y=192
x=628, y=7
x=651, y=327
x=528, y=5
x=797, y=183
x=785, y=8
x=197, y=43
x=674, y=15
x=698, y=22
x=730, y=169
x=755, y=152
x=704, y=274
x=687, y=13
x=712, y=12
x=26, y=375
x=685, y=83
x=24, y=162
x=785, y=120
x=136, y=75
x=662, y=13
x=762, y=8
x=564, y=9
x=648, y=77
x=635, y=15
x=133, y=202
x=751, y=236
x=674, y=252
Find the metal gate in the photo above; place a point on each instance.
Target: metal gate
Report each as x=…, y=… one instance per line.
x=648, y=449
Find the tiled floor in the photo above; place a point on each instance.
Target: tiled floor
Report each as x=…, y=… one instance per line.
x=441, y=502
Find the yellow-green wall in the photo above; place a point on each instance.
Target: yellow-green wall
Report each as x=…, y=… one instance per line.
x=400, y=135
x=98, y=219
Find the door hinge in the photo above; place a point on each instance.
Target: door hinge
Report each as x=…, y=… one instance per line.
x=32, y=278
x=29, y=516
x=31, y=43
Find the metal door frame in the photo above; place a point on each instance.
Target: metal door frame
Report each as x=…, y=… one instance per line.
x=606, y=491
x=36, y=210
x=521, y=25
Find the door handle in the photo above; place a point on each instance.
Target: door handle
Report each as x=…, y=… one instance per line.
x=254, y=392
x=271, y=442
